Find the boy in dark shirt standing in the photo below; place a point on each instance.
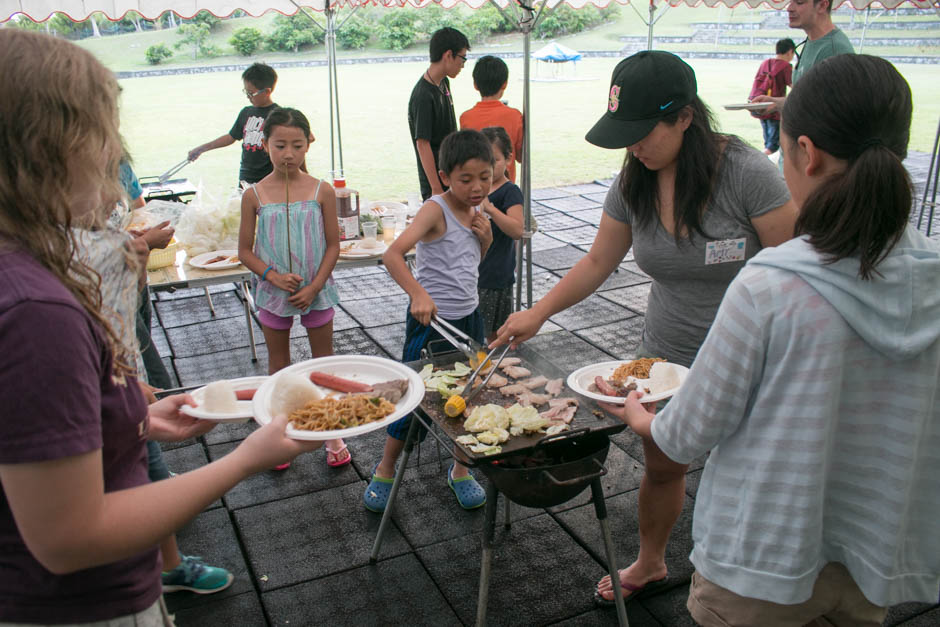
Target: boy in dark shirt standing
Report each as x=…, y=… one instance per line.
x=431, y=115
x=259, y=81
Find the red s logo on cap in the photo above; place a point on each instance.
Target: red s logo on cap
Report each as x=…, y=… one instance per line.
x=613, y=103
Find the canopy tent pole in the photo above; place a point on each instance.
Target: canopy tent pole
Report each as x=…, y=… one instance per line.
x=650, y=21
x=524, y=249
x=525, y=244
x=336, y=132
x=930, y=186
x=329, y=79
x=334, y=82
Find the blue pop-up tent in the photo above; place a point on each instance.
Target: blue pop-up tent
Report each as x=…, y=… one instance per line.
x=556, y=53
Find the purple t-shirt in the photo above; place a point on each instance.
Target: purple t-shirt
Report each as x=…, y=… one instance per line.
x=59, y=400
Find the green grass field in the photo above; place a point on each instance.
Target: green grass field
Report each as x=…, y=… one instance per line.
x=163, y=117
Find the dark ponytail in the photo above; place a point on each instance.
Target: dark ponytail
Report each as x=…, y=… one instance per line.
x=856, y=108
x=498, y=135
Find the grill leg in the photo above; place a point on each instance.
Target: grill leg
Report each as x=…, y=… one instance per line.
x=387, y=514
x=440, y=457
x=489, y=527
x=507, y=523
x=600, y=508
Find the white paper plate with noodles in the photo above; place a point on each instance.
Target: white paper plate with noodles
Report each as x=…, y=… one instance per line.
x=582, y=380
x=363, y=368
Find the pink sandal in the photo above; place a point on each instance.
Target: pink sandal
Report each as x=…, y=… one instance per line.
x=335, y=459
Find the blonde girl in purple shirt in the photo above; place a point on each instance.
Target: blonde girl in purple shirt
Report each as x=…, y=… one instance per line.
x=79, y=518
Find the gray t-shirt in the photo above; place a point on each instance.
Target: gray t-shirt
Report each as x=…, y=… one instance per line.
x=690, y=280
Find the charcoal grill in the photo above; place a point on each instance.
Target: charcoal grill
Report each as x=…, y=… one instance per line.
x=533, y=470
x=176, y=190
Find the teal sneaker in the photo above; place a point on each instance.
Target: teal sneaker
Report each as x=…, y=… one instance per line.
x=196, y=576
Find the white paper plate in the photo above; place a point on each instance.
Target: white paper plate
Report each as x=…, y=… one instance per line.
x=390, y=207
x=199, y=261
x=244, y=412
x=580, y=379
x=364, y=368
x=355, y=251
x=748, y=106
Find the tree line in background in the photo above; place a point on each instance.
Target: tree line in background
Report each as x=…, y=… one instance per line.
x=394, y=29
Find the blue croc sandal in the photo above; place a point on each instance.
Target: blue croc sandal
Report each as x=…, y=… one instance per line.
x=377, y=492
x=469, y=493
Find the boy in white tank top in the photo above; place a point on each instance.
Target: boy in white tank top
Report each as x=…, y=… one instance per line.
x=451, y=236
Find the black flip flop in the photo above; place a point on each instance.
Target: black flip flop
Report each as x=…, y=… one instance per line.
x=646, y=590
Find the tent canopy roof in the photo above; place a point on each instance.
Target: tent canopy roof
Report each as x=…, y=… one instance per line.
x=40, y=10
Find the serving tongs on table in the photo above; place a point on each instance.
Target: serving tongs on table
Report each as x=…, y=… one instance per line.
x=477, y=355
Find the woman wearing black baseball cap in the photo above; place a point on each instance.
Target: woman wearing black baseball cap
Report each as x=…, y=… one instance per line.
x=694, y=205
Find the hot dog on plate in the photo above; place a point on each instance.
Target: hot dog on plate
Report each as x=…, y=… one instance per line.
x=338, y=383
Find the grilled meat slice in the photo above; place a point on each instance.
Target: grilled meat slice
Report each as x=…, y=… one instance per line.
x=512, y=390
x=531, y=398
x=534, y=382
x=561, y=410
x=496, y=381
x=516, y=372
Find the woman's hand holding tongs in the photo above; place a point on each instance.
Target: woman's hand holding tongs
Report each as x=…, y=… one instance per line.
x=518, y=328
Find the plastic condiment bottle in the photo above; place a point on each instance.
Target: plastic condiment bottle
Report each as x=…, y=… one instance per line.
x=347, y=209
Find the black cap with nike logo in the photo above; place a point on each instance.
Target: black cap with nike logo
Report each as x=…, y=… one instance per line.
x=644, y=88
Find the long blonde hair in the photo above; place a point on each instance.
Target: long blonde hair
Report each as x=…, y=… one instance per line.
x=58, y=133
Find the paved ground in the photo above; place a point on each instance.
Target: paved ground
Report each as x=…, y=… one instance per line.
x=299, y=541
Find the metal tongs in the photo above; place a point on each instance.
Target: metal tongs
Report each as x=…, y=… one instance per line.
x=163, y=178
x=467, y=393
x=473, y=350
x=465, y=344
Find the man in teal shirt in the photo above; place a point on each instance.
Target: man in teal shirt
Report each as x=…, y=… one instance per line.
x=823, y=40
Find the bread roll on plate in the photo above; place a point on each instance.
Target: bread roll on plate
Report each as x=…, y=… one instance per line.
x=291, y=392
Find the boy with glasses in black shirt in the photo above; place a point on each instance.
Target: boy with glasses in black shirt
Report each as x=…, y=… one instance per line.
x=259, y=81
x=431, y=115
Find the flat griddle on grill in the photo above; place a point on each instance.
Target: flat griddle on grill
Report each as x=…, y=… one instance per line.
x=432, y=407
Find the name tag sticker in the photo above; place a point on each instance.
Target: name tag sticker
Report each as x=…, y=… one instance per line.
x=724, y=251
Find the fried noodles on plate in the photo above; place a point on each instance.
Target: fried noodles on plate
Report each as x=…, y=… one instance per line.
x=328, y=414
x=638, y=368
